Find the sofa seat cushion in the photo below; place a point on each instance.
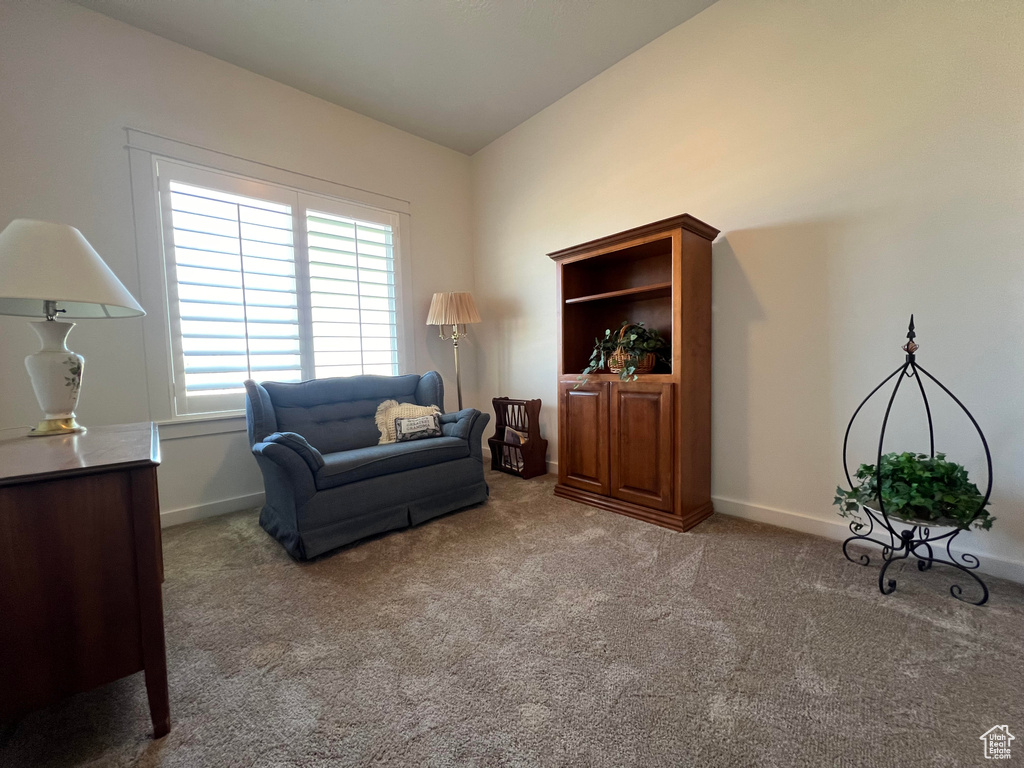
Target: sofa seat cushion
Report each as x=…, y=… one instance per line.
x=362, y=463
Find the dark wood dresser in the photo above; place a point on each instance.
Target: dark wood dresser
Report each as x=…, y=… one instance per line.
x=81, y=566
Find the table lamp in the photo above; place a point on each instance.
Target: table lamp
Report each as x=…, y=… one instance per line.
x=49, y=269
x=456, y=309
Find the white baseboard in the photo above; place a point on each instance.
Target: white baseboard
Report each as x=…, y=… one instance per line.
x=212, y=509
x=839, y=531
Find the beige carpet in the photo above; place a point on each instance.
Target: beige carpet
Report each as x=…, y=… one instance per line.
x=535, y=631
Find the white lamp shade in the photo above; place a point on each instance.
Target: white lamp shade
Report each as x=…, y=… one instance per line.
x=454, y=308
x=41, y=261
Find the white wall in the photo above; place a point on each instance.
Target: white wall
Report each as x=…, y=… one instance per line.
x=71, y=80
x=864, y=161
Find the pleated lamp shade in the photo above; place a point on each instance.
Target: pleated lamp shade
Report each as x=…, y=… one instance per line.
x=453, y=308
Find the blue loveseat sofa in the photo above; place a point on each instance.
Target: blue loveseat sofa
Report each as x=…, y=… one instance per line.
x=344, y=486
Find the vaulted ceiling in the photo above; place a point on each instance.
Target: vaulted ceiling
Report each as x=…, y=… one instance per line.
x=457, y=72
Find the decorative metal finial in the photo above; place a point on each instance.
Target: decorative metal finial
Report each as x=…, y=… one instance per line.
x=910, y=347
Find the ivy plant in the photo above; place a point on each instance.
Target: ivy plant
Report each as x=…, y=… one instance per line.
x=917, y=488
x=635, y=343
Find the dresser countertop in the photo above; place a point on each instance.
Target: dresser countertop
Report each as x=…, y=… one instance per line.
x=29, y=459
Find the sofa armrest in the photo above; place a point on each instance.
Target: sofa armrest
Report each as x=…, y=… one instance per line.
x=467, y=424
x=458, y=424
x=296, y=442
x=283, y=466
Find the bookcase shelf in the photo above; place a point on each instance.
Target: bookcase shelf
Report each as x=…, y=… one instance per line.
x=656, y=291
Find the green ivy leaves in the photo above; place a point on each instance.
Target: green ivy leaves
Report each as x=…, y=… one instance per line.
x=916, y=487
x=635, y=345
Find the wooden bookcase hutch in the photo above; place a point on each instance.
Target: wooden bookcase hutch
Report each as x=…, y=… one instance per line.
x=639, y=448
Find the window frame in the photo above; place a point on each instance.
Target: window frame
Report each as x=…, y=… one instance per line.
x=154, y=235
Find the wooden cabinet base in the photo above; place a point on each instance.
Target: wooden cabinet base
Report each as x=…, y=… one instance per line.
x=646, y=514
x=81, y=567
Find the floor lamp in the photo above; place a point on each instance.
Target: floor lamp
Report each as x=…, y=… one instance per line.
x=456, y=309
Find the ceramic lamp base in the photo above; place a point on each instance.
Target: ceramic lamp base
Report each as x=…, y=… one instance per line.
x=56, y=427
x=56, y=374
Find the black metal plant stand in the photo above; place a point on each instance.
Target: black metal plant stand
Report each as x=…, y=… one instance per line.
x=916, y=541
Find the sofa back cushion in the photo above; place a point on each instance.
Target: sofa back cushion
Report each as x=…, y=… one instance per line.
x=338, y=414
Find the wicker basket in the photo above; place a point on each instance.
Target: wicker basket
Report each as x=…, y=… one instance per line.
x=618, y=359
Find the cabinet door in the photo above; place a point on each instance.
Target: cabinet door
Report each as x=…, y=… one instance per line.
x=641, y=444
x=583, y=436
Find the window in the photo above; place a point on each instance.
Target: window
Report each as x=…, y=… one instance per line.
x=268, y=282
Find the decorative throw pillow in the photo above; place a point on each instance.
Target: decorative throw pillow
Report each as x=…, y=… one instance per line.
x=300, y=445
x=390, y=410
x=417, y=428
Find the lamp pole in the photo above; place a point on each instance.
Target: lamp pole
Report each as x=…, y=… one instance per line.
x=458, y=373
x=455, y=345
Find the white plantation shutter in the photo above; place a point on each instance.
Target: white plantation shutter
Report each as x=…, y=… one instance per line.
x=352, y=296
x=266, y=283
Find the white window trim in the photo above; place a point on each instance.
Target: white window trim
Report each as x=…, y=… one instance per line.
x=144, y=150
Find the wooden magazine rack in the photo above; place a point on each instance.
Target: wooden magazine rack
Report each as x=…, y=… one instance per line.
x=520, y=451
